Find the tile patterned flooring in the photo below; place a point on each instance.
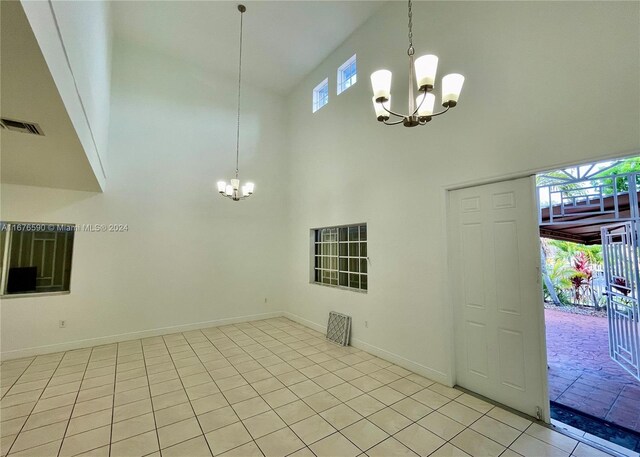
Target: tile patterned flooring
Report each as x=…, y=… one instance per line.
x=582, y=376
x=270, y=387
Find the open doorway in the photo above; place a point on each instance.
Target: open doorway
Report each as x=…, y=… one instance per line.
x=589, y=218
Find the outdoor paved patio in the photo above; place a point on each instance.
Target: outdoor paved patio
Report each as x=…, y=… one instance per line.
x=581, y=374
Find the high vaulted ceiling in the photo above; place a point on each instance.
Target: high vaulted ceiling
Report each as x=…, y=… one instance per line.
x=283, y=40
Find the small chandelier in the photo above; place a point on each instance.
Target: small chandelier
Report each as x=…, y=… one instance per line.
x=421, y=107
x=233, y=190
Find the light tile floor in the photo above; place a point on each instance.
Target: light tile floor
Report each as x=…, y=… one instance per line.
x=270, y=387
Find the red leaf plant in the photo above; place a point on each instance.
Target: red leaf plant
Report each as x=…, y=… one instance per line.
x=583, y=274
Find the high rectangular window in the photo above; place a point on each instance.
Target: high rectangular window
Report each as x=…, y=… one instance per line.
x=36, y=257
x=347, y=75
x=321, y=95
x=340, y=256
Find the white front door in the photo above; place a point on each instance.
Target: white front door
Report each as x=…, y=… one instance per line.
x=494, y=250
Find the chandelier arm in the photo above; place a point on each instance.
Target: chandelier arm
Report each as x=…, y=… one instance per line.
x=230, y=197
x=441, y=112
x=394, y=123
x=420, y=105
x=393, y=112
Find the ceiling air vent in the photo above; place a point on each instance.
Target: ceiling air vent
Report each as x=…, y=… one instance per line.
x=20, y=126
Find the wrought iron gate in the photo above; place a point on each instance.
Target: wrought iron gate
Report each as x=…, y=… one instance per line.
x=622, y=276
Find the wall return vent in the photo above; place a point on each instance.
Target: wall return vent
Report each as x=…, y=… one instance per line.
x=20, y=126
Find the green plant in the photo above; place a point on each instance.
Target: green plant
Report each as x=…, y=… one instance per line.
x=560, y=274
x=567, y=250
x=570, y=269
x=582, y=275
x=631, y=165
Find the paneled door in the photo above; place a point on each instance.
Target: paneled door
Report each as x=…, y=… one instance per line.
x=497, y=296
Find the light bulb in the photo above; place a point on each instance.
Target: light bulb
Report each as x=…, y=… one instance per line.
x=245, y=193
x=381, y=113
x=425, y=108
x=229, y=190
x=451, y=88
x=249, y=186
x=426, y=67
x=222, y=186
x=381, y=84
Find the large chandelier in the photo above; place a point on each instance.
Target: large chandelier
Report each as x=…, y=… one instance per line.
x=420, y=107
x=233, y=189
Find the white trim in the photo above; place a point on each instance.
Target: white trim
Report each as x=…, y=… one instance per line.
x=449, y=312
x=34, y=294
x=42, y=19
x=534, y=171
x=340, y=76
x=75, y=85
x=422, y=370
x=403, y=362
x=545, y=401
x=315, y=106
x=89, y=342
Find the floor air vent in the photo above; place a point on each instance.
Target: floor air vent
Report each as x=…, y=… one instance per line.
x=339, y=328
x=20, y=126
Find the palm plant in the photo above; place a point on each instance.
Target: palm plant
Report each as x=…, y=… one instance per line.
x=570, y=268
x=560, y=274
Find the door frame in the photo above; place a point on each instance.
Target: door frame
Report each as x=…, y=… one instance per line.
x=448, y=296
x=545, y=413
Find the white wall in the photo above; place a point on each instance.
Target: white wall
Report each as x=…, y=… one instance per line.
x=548, y=83
x=189, y=255
x=76, y=41
x=87, y=33
x=539, y=75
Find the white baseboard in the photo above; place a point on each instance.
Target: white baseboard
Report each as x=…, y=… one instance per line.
x=416, y=367
x=89, y=342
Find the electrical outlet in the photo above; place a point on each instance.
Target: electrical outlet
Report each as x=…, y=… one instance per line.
x=62, y=324
x=366, y=324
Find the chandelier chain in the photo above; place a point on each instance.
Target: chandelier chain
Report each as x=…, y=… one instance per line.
x=239, y=88
x=411, y=50
x=422, y=73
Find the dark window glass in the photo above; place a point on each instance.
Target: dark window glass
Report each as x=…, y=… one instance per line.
x=39, y=257
x=340, y=256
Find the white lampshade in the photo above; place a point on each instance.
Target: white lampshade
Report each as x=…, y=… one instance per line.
x=426, y=67
x=235, y=183
x=381, y=84
x=380, y=111
x=222, y=186
x=451, y=88
x=245, y=193
x=229, y=190
x=425, y=108
x=249, y=187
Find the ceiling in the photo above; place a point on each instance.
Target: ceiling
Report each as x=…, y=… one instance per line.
x=283, y=40
x=29, y=94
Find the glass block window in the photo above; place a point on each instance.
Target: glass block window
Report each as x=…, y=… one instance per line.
x=347, y=75
x=321, y=95
x=340, y=256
